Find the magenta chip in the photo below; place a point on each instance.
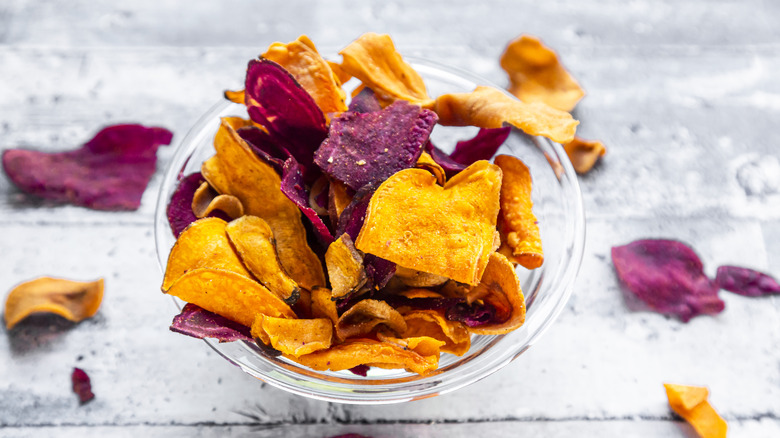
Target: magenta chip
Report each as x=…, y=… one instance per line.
x=200, y=323
x=293, y=187
x=482, y=147
x=747, y=282
x=81, y=385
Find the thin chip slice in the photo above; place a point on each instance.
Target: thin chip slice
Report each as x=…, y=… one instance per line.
x=517, y=222
x=179, y=210
x=690, y=402
x=72, y=300
x=372, y=58
x=427, y=162
x=354, y=352
x=294, y=337
x=434, y=324
x=203, y=244
x=253, y=240
x=446, y=231
x=200, y=323
x=365, y=316
x=488, y=107
x=746, y=281
x=247, y=176
x=482, y=147
x=322, y=306
x=583, y=154
x=339, y=198
x=536, y=75
x=234, y=296
x=301, y=59
x=235, y=96
x=213, y=174
x=414, y=278
x=345, y=267
x=205, y=201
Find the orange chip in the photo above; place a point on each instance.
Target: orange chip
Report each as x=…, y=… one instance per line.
x=536, y=75
x=232, y=295
x=294, y=337
x=517, y=222
x=427, y=162
x=583, y=154
x=423, y=345
x=235, y=96
x=338, y=199
x=362, y=318
x=253, y=240
x=301, y=59
x=372, y=59
x=339, y=72
x=246, y=176
x=214, y=176
x=500, y=288
x=345, y=267
x=72, y=300
x=488, y=107
x=434, y=324
x=203, y=244
x=322, y=306
x=206, y=200
x=690, y=402
x=356, y=352
x=413, y=278
x=447, y=231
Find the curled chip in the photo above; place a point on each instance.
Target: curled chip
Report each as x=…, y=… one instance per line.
x=253, y=240
x=536, y=75
x=338, y=200
x=294, y=188
x=488, y=107
x=433, y=324
x=246, y=176
x=294, y=337
x=229, y=294
x=445, y=231
x=205, y=201
x=365, y=316
x=109, y=172
x=301, y=59
x=322, y=306
x=200, y=323
x=584, y=154
x=690, y=402
x=372, y=58
x=203, y=244
x=72, y=300
x=356, y=352
x=213, y=174
x=482, y=147
x=427, y=162
x=345, y=267
x=499, y=289
x=517, y=222
x=413, y=278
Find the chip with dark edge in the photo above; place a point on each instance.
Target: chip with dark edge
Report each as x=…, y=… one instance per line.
x=200, y=323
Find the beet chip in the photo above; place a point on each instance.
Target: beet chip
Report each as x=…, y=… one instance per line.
x=293, y=187
x=668, y=276
x=747, y=282
x=482, y=147
x=369, y=147
x=199, y=323
x=450, y=166
x=179, y=211
x=110, y=172
x=365, y=102
x=81, y=385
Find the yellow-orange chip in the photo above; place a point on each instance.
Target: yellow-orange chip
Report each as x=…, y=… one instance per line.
x=235, y=96
x=247, y=176
x=203, y=244
x=362, y=318
x=232, y=295
x=583, y=154
x=372, y=59
x=413, y=278
x=301, y=59
x=338, y=199
x=500, y=288
x=72, y=300
x=690, y=402
x=536, y=75
x=446, y=231
x=427, y=162
x=434, y=324
x=214, y=176
x=339, y=72
x=356, y=352
x=488, y=107
x=322, y=306
x=205, y=201
x=294, y=337
x=517, y=221
x=345, y=267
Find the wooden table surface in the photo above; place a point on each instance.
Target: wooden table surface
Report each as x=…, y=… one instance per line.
x=684, y=93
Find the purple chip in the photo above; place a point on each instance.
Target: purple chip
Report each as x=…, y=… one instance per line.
x=668, y=276
x=482, y=147
x=747, y=282
x=293, y=187
x=365, y=148
x=110, y=172
x=81, y=385
x=365, y=102
x=200, y=323
x=450, y=166
x=360, y=370
x=179, y=211
x=473, y=315
x=264, y=147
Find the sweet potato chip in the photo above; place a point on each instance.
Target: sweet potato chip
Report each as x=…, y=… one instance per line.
x=268, y=149
x=446, y=231
x=413, y=278
x=345, y=267
x=235, y=96
x=339, y=72
x=364, y=102
x=294, y=337
x=234, y=296
x=745, y=281
x=205, y=201
x=517, y=222
x=583, y=154
x=488, y=107
x=432, y=323
x=365, y=316
x=109, y=172
x=372, y=58
x=356, y=352
x=690, y=402
x=247, y=176
x=301, y=59
x=203, y=244
x=72, y=300
x=179, y=211
x=322, y=306
x=338, y=199
x=536, y=75
x=212, y=173
x=427, y=162
x=253, y=240
x=200, y=323
x=318, y=196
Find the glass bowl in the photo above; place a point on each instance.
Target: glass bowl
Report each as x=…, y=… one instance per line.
x=558, y=208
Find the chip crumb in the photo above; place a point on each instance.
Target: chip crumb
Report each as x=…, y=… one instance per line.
x=385, y=150
x=330, y=160
x=361, y=162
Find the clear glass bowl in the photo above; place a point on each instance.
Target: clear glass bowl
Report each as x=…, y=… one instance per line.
x=558, y=208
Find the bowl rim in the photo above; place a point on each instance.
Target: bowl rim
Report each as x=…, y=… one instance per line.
x=191, y=141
